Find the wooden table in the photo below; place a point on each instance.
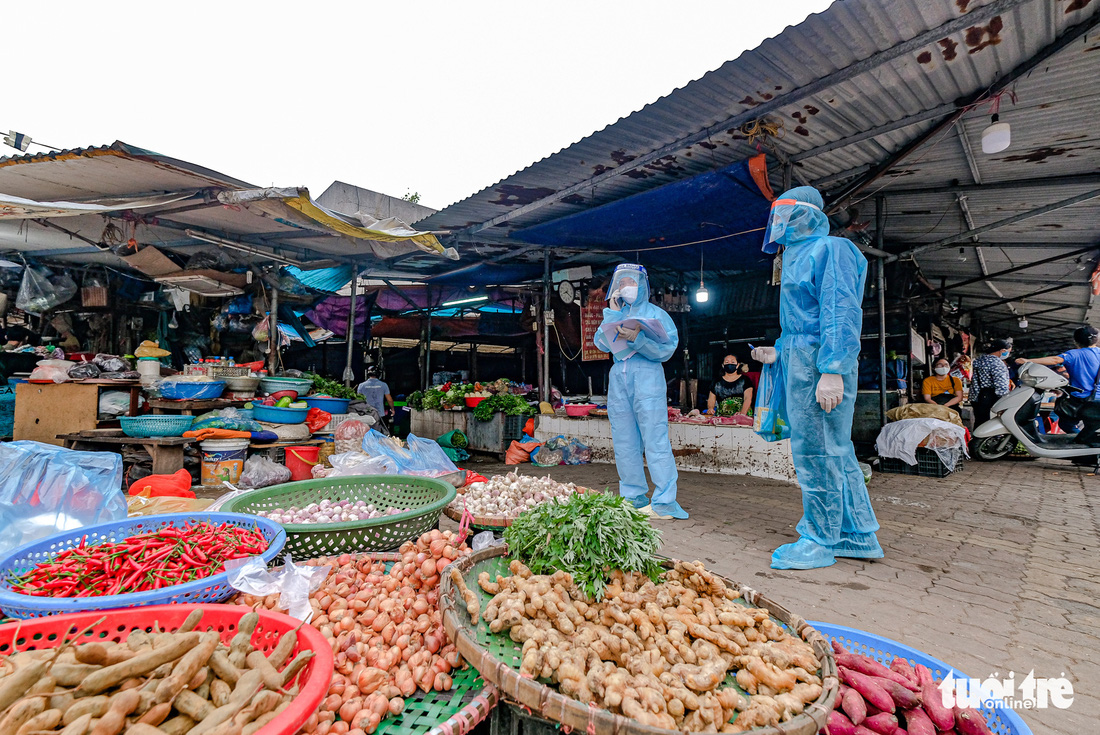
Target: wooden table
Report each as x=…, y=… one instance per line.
x=190, y=408
x=166, y=451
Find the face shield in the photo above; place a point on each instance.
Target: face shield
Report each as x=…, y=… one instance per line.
x=629, y=285
x=790, y=217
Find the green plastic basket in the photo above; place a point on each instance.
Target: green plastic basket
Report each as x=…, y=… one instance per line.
x=425, y=497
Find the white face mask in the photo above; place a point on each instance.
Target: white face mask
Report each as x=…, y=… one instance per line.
x=629, y=294
x=942, y=371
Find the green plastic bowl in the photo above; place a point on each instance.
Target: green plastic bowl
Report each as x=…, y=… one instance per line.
x=425, y=497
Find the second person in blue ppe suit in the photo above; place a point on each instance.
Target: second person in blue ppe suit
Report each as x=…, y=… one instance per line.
x=820, y=313
x=636, y=403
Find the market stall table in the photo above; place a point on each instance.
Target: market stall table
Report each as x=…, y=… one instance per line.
x=166, y=451
x=191, y=408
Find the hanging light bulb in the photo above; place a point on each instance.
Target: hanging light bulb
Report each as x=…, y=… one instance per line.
x=997, y=136
x=1023, y=322
x=702, y=296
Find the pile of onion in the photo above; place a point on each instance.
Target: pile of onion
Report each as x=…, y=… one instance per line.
x=386, y=632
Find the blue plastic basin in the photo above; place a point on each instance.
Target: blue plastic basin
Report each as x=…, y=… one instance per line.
x=325, y=403
x=276, y=415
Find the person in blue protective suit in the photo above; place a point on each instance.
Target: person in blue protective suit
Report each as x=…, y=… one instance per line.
x=636, y=402
x=821, y=291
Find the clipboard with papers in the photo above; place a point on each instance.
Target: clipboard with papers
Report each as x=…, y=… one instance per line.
x=652, y=328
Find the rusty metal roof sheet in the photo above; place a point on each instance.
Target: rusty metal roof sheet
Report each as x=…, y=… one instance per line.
x=882, y=72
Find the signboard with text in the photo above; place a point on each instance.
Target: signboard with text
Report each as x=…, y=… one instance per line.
x=591, y=316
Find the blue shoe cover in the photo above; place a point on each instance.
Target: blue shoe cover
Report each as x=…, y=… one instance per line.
x=639, y=502
x=858, y=546
x=802, y=554
x=669, y=510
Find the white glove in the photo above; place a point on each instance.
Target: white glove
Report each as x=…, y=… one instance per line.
x=766, y=355
x=627, y=333
x=830, y=391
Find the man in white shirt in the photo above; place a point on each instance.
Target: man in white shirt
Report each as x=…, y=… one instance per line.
x=376, y=393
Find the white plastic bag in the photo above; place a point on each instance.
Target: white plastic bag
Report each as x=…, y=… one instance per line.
x=900, y=440
x=259, y=471
x=42, y=290
x=293, y=583
x=115, y=403
x=357, y=463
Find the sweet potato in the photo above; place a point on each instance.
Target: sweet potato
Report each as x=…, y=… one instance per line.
x=838, y=724
x=918, y=723
x=903, y=697
x=853, y=705
x=942, y=717
x=870, y=667
x=871, y=691
x=884, y=723
x=969, y=721
x=901, y=666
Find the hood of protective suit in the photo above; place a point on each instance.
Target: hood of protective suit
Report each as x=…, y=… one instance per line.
x=630, y=274
x=797, y=215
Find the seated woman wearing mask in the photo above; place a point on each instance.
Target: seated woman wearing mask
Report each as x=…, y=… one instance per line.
x=942, y=388
x=732, y=384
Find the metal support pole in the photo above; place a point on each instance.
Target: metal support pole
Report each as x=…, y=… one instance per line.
x=349, y=374
x=428, y=349
x=880, y=225
x=545, y=387
x=908, y=351
x=685, y=404
x=273, y=334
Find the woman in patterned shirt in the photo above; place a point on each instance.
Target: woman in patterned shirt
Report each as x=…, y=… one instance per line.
x=990, y=379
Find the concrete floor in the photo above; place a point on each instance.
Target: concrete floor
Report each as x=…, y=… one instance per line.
x=992, y=569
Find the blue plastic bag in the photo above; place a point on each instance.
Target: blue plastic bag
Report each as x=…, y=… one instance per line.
x=7, y=410
x=770, y=417
x=418, y=457
x=46, y=489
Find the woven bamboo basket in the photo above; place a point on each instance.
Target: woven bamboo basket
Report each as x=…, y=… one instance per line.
x=498, y=660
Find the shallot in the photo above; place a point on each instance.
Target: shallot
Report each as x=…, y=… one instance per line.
x=329, y=511
x=385, y=629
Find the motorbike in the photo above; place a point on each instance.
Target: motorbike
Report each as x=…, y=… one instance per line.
x=1013, y=417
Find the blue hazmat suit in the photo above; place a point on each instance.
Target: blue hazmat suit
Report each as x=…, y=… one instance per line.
x=821, y=317
x=636, y=403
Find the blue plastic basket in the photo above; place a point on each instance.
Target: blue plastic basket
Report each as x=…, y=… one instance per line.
x=214, y=588
x=149, y=426
x=1000, y=720
x=277, y=415
x=180, y=390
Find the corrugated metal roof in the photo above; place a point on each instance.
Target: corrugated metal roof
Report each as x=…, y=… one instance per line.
x=122, y=170
x=881, y=78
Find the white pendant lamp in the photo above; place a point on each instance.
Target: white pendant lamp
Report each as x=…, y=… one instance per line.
x=996, y=137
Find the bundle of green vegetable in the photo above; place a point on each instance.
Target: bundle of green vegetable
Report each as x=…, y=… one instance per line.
x=587, y=535
x=333, y=388
x=509, y=404
x=730, y=406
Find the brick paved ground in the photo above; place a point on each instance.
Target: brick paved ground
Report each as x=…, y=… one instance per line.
x=992, y=569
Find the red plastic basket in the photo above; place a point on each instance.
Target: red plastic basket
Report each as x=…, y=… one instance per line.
x=313, y=680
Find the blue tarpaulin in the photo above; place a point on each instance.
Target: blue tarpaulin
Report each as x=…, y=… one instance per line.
x=711, y=205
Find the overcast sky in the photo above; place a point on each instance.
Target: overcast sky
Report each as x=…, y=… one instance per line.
x=440, y=98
